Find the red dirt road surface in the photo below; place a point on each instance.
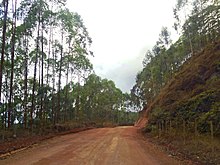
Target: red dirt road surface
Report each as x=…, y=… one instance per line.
x=102, y=146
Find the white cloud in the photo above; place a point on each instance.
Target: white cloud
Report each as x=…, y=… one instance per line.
x=122, y=31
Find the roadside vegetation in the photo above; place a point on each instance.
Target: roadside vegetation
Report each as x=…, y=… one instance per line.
x=47, y=82
x=179, y=85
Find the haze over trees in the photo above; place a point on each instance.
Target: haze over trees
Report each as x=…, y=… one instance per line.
x=46, y=76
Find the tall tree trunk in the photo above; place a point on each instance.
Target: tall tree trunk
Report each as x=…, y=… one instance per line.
x=48, y=63
x=12, y=65
x=6, y=94
x=49, y=44
x=42, y=75
x=59, y=81
x=78, y=116
x=34, y=82
x=188, y=34
x=66, y=94
x=25, y=81
x=3, y=44
x=53, y=97
x=47, y=67
x=67, y=79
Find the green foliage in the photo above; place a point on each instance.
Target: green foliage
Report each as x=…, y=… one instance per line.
x=165, y=59
x=50, y=42
x=97, y=101
x=202, y=108
x=197, y=22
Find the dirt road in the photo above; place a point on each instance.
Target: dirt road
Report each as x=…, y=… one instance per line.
x=103, y=146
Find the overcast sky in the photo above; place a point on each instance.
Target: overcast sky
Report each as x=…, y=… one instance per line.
x=122, y=31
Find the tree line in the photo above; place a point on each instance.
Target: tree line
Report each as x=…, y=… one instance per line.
x=197, y=23
x=46, y=76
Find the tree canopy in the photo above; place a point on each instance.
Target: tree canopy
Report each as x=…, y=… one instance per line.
x=46, y=76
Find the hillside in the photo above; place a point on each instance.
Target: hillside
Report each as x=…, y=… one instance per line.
x=193, y=91
x=186, y=112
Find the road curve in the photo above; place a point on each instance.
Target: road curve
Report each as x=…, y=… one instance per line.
x=102, y=146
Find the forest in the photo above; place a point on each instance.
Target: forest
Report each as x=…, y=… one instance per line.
x=179, y=84
x=166, y=59
x=46, y=77
x=48, y=83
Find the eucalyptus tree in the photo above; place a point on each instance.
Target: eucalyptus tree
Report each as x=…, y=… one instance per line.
x=25, y=33
x=5, y=91
x=34, y=16
x=200, y=24
x=74, y=54
x=204, y=25
x=12, y=60
x=5, y=6
x=156, y=72
x=100, y=101
x=28, y=14
x=109, y=100
x=90, y=93
x=36, y=58
x=180, y=10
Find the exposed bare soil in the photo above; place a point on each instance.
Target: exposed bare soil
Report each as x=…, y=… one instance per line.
x=11, y=145
x=119, y=145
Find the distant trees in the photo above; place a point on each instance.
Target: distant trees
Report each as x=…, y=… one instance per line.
x=45, y=72
x=157, y=70
x=201, y=22
x=100, y=101
x=182, y=101
x=197, y=22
